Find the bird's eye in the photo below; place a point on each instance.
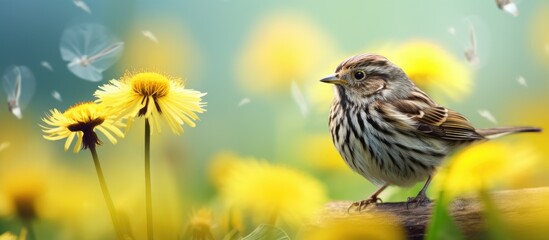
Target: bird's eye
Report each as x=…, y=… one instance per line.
x=359, y=75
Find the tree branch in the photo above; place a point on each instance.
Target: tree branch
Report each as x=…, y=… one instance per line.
x=467, y=213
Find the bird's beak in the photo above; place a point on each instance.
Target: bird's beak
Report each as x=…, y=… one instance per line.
x=333, y=79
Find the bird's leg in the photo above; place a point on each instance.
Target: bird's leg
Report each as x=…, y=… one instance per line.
x=360, y=205
x=421, y=198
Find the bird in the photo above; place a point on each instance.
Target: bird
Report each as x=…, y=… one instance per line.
x=390, y=131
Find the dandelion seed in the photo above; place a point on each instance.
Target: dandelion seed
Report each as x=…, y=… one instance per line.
x=89, y=49
x=487, y=115
x=522, y=81
x=451, y=30
x=299, y=99
x=46, y=65
x=471, y=52
x=148, y=34
x=244, y=101
x=508, y=6
x=82, y=5
x=19, y=85
x=265, y=231
x=56, y=95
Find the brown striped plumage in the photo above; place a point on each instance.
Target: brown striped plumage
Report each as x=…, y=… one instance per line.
x=389, y=131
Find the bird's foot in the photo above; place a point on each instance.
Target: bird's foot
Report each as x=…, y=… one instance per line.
x=361, y=205
x=419, y=200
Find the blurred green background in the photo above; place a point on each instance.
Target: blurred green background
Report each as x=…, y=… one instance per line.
x=203, y=43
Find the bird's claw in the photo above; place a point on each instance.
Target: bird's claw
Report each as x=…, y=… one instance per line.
x=361, y=205
x=420, y=200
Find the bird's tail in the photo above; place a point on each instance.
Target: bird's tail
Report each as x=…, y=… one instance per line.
x=491, y=133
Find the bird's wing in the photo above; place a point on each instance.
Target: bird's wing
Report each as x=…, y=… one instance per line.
x=436, y=121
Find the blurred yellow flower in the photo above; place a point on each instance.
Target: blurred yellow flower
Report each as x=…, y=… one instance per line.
x=270, y=192
x=11, y=236
x=174, y=52
x=319, y=152
x=81, y=121
x=8, y=236
x=539, y=37
x=532, y=112
x=22, y=187
x=432, y=68
x=282, y=48
x=485, y=166
x=533, y=214
x=376, y=227
x=73, y=201
x=318, y=94
x=151, y=95
x=231, y=220
x=200, y=225
x=221, y=165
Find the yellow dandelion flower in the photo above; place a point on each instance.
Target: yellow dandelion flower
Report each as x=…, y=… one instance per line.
x=221, y=165
x=8, y=236
x=200, y=225
x=174, y=51
x=532, y=216
x=11, y=236
x=231, y=220
x=532, y=112
x=378, y=226
x=318, y=151
x=81, y=121
x=282, y=48
x=433, y=68
x=268, y=192
x=151, y=95
x=539, y=37
x=320, y=96
x=483, y=167
x=22, y=188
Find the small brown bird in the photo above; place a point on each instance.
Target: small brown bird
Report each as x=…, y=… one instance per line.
x=389, y=131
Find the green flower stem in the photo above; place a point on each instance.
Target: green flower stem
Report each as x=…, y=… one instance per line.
x=106, y=194
x=148, y=194
x=273, y=217
x=494, y=224
x=30, y=230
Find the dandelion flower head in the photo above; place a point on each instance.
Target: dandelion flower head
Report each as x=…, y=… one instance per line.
x=377, y=226
x=81, y=121
x=22, y=190
x=200, y=224
x=485, y=166
x=151, y=95
x=282, y=48
x=266, y=190
x=433, y=68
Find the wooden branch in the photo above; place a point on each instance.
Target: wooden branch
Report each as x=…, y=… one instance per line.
x=467, y=213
